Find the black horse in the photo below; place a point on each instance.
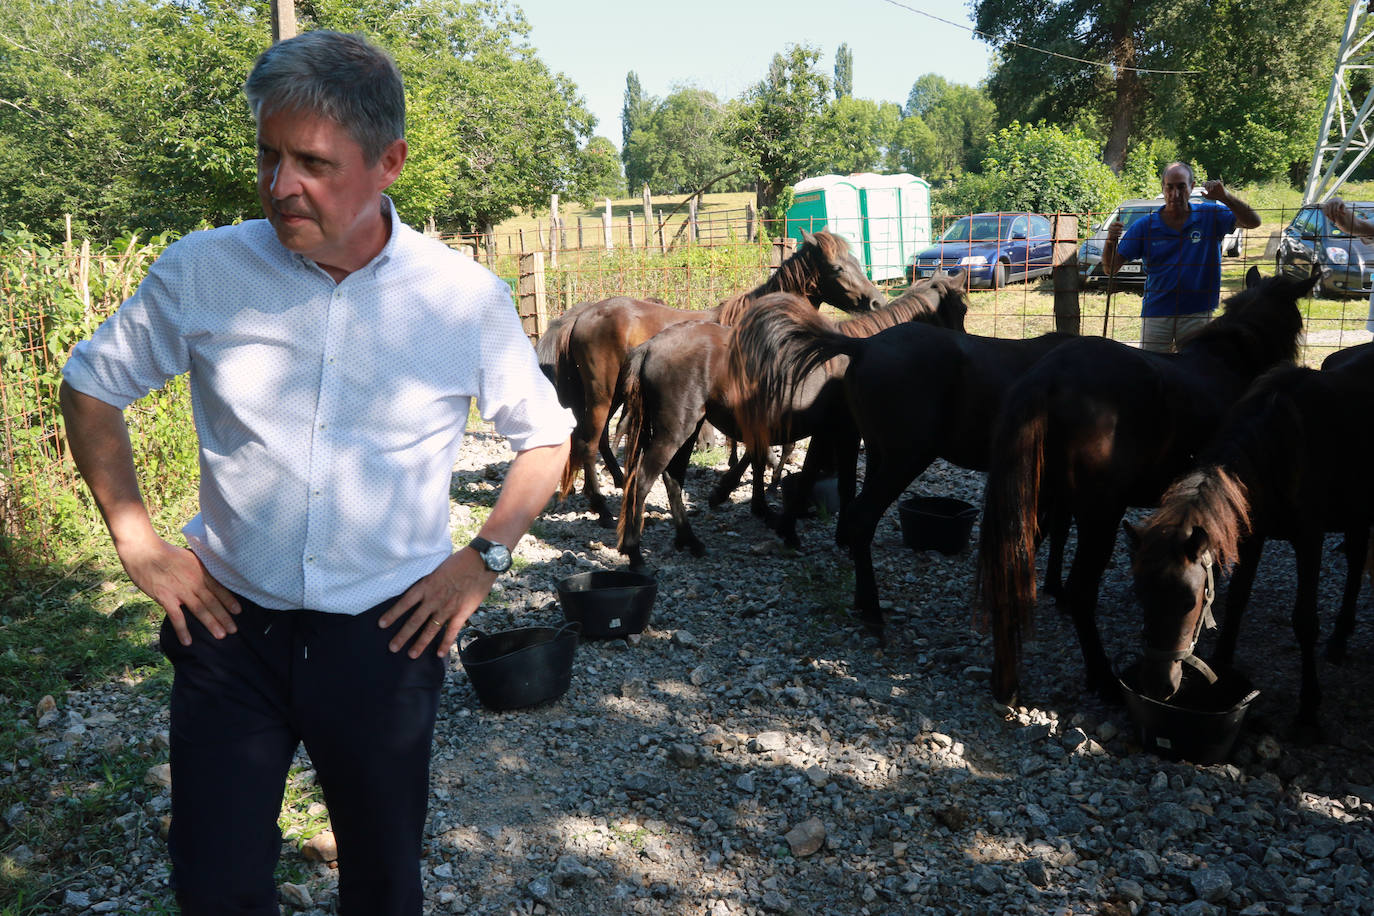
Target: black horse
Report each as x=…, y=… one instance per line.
x=914, y=392
x=1097, y=426
x=1291, y=461
x=681, y=376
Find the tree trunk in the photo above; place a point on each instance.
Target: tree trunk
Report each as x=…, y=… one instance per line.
x=1127, y=94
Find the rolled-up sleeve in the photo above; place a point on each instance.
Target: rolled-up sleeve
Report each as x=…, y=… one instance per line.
x=140, y=346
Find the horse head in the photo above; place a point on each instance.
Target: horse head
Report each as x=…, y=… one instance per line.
x=1175, y=558
x=837, y=276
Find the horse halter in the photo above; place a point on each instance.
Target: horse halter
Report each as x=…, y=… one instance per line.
x=1205, y=619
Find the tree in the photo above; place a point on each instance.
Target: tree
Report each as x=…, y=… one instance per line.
x=853, y=135
x=844, y=72
x=633, y=112
x=1253, y=113
x=1039, y=168
x=678, y=147
x=955, y=122
x=601, y=171
x=774, y=125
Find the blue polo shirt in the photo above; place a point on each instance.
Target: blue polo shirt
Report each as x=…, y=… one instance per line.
x=1183, y=268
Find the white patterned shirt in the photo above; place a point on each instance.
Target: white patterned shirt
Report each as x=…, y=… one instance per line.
x=329, y=415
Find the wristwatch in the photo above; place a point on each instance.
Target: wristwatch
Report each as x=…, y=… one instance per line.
x=495, y=556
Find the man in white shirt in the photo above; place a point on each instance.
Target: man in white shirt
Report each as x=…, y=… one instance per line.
x=333, y=354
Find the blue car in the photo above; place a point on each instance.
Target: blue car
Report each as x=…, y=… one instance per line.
x=992, y=248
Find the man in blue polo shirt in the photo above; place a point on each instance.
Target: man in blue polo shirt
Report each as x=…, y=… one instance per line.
x=1180, y=244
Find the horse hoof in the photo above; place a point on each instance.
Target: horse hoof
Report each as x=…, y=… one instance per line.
x=605, y=520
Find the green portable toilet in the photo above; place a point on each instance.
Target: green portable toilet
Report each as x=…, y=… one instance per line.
x=884, y=218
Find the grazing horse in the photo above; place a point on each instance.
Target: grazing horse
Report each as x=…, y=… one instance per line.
x=584, y=353
x=1097, y=426
x=680, y=377
x=915, y=392
x=1292, y=462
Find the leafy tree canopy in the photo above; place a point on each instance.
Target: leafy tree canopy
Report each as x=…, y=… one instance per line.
x=774, y=126
x=678, y=146
x=853, y=135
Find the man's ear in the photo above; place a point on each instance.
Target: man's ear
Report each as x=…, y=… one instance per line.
x=391, y=161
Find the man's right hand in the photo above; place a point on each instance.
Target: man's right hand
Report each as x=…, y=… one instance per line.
x=175, y=578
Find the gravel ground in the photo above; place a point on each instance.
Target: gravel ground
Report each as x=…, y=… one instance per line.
x=752, y=753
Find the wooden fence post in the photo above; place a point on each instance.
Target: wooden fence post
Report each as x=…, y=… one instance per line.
x=782, y=250
x=692, y=237
x=606, y=233
x=522, y=241
x=662, y=245
x=630, y=224
x=648, y=215
x=579, y=233
x=748, y=220
x=533, y=305
x=1067, y=316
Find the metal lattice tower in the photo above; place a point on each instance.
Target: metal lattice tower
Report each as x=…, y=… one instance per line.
x=1345, y=138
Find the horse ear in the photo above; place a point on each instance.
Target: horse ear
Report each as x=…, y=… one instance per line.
x=1252, y=277
x=1132, y=536
x=808, y=238
x=1197, y=542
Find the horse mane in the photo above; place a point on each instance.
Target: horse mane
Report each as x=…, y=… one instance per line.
x=797, y=274
x=931, y=301
x=1259, y=325
x=1211, y=498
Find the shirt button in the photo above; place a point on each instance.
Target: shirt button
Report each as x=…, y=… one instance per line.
x=310, y=559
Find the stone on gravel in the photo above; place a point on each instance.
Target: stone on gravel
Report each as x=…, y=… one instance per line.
x=806, y=838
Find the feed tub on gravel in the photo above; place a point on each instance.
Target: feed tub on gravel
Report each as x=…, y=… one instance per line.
x=522, y=667
x=940, y=523
x=609, y=604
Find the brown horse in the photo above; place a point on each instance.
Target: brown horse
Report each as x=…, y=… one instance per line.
x=1096, y=426
x=915, y=392
x=680, y=377
x=583, y=354
x=1292, y=462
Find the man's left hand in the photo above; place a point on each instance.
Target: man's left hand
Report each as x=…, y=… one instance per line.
x=439, y=604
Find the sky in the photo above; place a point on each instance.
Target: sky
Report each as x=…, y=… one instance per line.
x=725, y=46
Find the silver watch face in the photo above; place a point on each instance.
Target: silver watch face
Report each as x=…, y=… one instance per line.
x=497, y=558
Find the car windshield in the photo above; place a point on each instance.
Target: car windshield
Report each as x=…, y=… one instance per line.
x=1132, y=214
x=977, y=229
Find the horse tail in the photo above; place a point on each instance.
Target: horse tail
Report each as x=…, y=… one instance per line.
x=553, y=350
x=1010, y=531
x=776, y=344
x=636, y=426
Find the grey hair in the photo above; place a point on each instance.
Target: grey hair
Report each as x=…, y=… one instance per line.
x=337, y=76
x=1192, y=177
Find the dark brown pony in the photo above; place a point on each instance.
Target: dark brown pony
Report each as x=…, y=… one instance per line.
x=1291, y=461
x=915, y=392
x=583, y=353
x=680, y=377
x=1096, y=426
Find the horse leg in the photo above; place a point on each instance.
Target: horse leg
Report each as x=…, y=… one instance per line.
x=1237, y=597
x=795, y=499
x=646, y=468
x=883, y=483
x=1308, y=551
x=608, y=458
x=1356, y=546
x=846, y=477
x=1060, y=520
x=1096, y=539
x=784, y=456
x=591, y=427
x=730, y=480
x=673, y=478
x=758, y=498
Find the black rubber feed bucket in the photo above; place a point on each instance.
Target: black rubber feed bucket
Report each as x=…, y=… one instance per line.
x=609, y=604
x=940, y=523
x=521, y=667
x=1199, y=723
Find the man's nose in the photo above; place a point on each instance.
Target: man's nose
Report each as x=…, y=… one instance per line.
x=285, y=180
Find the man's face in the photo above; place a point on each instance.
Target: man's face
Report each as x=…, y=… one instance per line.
x=318, y=191
x=1177, y=186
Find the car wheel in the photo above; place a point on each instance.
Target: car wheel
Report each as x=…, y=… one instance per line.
x=999, y=275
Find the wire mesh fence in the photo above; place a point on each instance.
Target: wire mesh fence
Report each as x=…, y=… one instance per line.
x=52, y=297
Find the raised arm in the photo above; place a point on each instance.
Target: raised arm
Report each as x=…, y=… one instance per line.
x=1246, y=217
x=172, y=576
x=1345, y=218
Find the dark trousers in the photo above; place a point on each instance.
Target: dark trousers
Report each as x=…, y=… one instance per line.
x=241, y=706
